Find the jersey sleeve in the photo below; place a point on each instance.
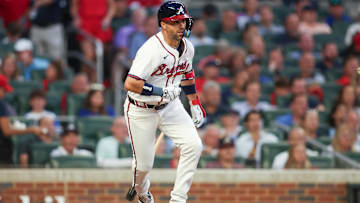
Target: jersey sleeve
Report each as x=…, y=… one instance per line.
x=191, y=54
x=145, y=62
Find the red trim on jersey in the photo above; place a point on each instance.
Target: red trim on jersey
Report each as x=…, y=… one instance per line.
x=135, y=77
x=132, y=142
x=176, y=18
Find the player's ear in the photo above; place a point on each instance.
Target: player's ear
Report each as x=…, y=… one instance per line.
x=163, y=24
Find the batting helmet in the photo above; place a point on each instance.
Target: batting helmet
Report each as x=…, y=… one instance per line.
x=174, y=11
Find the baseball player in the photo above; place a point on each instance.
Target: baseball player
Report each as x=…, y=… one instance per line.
x=160, y=66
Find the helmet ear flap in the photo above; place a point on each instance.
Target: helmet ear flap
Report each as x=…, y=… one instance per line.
x=189, y=24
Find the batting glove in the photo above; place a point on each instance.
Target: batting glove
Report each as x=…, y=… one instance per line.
x=197, y=112
x=170, y=93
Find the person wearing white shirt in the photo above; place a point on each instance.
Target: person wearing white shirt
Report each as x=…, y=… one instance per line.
x=38, y=103
x=198, y=34
x=69, y=143
x=252, y=96
x=107, y=149
x=297, y=135
x=248, y=145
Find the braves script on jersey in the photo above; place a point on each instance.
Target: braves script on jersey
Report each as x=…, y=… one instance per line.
x=160, y=65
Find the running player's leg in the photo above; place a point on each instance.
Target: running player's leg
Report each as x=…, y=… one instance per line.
x=176, y=123
x=142, y=124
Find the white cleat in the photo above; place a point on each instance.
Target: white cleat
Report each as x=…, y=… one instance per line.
x=146, y=198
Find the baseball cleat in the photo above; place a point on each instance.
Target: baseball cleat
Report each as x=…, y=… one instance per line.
x=146, y=198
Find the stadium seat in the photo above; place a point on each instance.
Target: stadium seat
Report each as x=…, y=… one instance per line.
x=213, y=27
x=162, y=161
x=73, y=162
x=232, y=37
x=269, y=152
x=5, y=49
x=125, y=150
x=37, y=75
x=354, y=155
x=321, y=162
x=22, y=90
x=283, y=101
x=89, y=127
x=333, y=74
x=204, y=160
x=331, y=91
x=74, y=103
x=280, y=134
x=290, y=72
x=53, y=101
x=40, y=153
x=17, y=143
x=324, y=140
x=267, y=89
x=270, y=116
x=60, y=86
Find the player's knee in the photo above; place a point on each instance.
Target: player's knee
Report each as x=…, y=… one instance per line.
x=194, y=147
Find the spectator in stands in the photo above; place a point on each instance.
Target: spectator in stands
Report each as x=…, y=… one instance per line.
x=248, y=145
x=305, y=44
x=343, y=141
x=211, y=72
x=140, y=37
x=276, y=60
x=308, y=71
x=46, y=31
x=298, y=107
x=337, y=116
x=7, y=130
x=209, y=12
x=211, y=99
x=53, y=73
x=267, y=26
x=175, y=152
x=94, y=104
x=251, y=30
x=257, y=48
x=352, y=119
x=222, y=54
x=300, y=5
x=296, y=136
x=9, y=67
x=309, y=22
x=237, y=61
x=230, y=123
x=252, y=100
x=292, y=34
x=349, y=69
x=211, y=140
x=253, y=67
x=329, y=60
x=298, y=157
x=311, y=124
x=198, y=35
x=337, y=13
x=79, y=85
x=47, y=125
x=281, y=89
x=236, y=91
x=347, y=96
x=14, y=11
x=354, y=46
x=69, y=145
x=249, y=14
x=226, y=156
x=228, y=22
x=13, y=32
x=151, y=4
x=93, y=17
x=107, y=149
x=27, y=62
x=38, y=103
x=298, y=86
x=123, y=35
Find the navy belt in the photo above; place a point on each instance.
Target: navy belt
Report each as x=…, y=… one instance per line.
x=145, y=105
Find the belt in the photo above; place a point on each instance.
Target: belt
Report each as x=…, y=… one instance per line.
x=145, y=105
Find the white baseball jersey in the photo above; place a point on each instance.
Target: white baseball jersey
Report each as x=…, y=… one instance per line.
x=159, y=64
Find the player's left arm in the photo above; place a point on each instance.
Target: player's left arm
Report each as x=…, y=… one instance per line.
x=197, y=111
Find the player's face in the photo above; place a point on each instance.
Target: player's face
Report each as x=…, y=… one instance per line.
x=175, y=29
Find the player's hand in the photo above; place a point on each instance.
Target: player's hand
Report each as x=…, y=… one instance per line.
x=197, y=112
x=170, y=93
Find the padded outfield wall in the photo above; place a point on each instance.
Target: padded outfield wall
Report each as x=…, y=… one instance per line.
x=213, y=186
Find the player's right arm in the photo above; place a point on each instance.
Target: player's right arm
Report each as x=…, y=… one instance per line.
x=134, y=85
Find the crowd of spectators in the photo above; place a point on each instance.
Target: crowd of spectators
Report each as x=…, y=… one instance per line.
x=265, y=74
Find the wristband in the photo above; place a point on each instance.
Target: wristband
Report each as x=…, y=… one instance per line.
x=149, y=89
x=189, y=89
x=196, y=101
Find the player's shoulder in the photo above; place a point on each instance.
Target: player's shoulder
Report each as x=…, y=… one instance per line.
x=189, y=45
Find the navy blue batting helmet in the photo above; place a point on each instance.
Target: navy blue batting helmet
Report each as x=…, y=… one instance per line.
x=174, y=11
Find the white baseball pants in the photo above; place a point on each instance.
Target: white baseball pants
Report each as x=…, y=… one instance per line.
x=176, y=123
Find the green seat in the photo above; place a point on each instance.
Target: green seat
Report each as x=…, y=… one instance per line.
x=324, y=117
x=5, y=49
x=53, y=101
x=204, y=160
x=89, y=127
x=74, y=103
x=280, y=134
x=331, y=91
x=204, y=50
x=162, y=161
x=339, y=28
x=270, y=116
x=321, y=162
x=213, y=26
x=324, y=140
x=37, y=75
x=17, y=143
x=321, y=39
x=231, y=37
x=73, y=162
x=290, y=72
x=333, y=74
x=267, y=89
x=40, y=153
x=125, y=150
x=283, y=101
x=269, y=152
x=354, y=156
x=22, y=90
x=60, y=86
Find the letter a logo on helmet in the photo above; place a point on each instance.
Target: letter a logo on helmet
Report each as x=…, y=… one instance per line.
x=174, y=11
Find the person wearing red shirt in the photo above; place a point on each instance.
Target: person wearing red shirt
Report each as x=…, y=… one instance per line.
x=350, y=65
x=14, y=11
